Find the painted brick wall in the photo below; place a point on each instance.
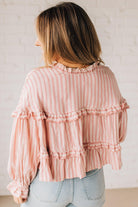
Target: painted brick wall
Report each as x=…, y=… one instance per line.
x=116, y=23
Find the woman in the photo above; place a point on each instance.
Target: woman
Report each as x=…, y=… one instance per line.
x=70, y=119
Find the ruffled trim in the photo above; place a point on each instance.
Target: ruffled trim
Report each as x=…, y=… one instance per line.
x=111, y=147
x=77, y=152
x=53, y=168
x=63, y=155
x=64, y=68
x=71, y=116
x=17, y=189
x=26, y=115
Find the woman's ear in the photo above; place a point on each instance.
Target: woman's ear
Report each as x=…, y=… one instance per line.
x=37, y=43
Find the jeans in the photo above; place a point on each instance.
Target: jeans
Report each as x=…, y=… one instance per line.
x=88, y=191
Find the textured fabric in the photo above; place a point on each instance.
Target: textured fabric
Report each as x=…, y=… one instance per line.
x=75, y=192
x=67, y=121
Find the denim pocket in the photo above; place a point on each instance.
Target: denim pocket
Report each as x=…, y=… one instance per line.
x=45, y=191
x=94, y=184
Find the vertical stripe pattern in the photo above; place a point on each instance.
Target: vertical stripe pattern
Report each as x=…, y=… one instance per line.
x=66, y=123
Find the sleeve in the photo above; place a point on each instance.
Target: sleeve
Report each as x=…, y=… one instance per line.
x=24, y=143
x=123, y=113
x=123, y=122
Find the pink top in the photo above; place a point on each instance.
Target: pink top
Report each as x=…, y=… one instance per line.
x=68, y=121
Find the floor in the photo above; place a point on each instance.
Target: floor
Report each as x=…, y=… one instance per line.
x=114, y=198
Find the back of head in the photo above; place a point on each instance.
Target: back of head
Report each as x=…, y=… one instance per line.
x=66, y=31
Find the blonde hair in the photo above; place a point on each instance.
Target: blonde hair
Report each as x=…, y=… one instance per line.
x=65, y=30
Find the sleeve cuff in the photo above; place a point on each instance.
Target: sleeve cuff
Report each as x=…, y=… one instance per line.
x=17, y=189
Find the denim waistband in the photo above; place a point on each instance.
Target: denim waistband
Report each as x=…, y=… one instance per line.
x=92, y=171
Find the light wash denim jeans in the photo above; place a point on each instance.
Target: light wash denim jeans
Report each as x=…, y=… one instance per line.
x=75, y=192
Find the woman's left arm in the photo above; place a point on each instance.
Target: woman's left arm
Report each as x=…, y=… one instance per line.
x=24, y=144
x=24, y=155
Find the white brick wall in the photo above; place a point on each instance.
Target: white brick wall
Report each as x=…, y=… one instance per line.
x=116, y=23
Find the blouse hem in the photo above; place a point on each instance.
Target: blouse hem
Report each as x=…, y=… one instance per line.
x=57, y=168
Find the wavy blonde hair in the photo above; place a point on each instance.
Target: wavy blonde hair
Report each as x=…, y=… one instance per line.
x=65, y=30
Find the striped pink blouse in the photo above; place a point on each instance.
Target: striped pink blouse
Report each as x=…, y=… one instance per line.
x=68, y=121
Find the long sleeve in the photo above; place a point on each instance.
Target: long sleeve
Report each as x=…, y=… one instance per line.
x=123, y=120
x=123, y=114
x=24, y=143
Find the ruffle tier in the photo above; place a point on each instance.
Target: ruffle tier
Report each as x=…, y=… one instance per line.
x=58, y=167
x=71, y=116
